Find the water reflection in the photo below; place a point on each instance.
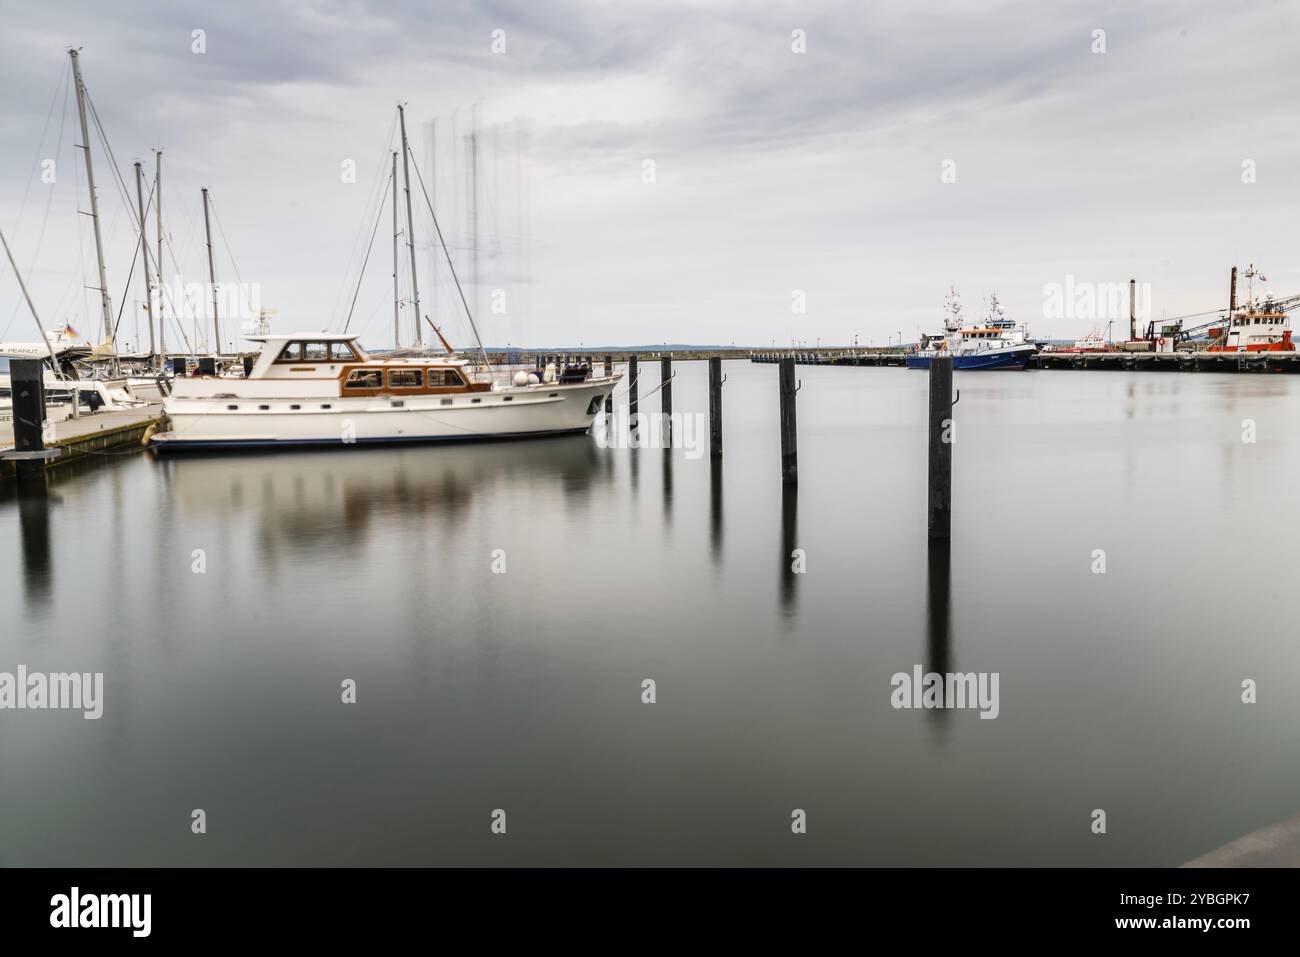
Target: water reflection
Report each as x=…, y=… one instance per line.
x=789, y=532
x=635, y=460
x=938, y=619
x=715, y=509
x=306, y=499
x=34, y=525
x=668, y=485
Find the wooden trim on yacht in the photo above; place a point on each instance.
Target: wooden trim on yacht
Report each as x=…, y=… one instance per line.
x=423, y=389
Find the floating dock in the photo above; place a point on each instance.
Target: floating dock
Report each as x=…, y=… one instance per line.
x=90, y=434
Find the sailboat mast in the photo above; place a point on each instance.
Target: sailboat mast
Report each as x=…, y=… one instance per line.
x=433, y=203
x=157, y=204
x=45, y=337
x=397, y=322
x=212, y=278
x=94, y=202
x=473, y=203
x=144, y=250
x=410, y=226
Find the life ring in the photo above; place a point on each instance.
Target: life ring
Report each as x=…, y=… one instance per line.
x=1161, y=341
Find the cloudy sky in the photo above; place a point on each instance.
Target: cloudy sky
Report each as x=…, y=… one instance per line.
x=774, y=171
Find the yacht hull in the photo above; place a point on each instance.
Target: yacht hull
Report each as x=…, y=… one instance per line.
x=239, y=422
x=992, y=359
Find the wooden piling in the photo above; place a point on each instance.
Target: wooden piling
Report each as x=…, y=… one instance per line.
x=789, y=443
x=609, y=398
x=941, y=435
x=715, y=406
x=631, y=390
x=666, y=386
x=27, y=388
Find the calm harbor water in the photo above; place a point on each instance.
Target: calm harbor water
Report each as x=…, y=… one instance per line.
x=522, y=691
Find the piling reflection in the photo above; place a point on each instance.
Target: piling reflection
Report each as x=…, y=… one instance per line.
x=634, y=460
x=715, y=509
x=938, y=586
x=668, y=484
x=789, y=535
x=34, y=530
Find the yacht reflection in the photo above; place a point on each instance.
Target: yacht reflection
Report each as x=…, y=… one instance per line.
x=789, y=533
x=304, y=499
x=938, y=585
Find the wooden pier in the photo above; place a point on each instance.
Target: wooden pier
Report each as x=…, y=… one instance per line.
x=1170, y=361
x=1114, y=361
x=833, y=357
x=876, y=356
x=87, y=435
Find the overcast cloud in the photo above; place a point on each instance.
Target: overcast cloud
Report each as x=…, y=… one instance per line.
x=775, y=171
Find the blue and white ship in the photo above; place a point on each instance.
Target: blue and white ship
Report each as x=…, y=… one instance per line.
x=996, y=344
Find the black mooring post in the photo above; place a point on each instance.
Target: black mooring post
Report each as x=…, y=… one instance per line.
x=666, y=379
x=631, y=391
x=789, y=442
x=27, y=387
x=609, y=371
x=715, y=406
x=941, y=436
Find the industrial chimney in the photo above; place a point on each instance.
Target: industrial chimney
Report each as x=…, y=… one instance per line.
x=1132, y=310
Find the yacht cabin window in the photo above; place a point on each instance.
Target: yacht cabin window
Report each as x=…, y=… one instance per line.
x=317, y=352
x=404, y=379
x=444, y=378
x=364, y=379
